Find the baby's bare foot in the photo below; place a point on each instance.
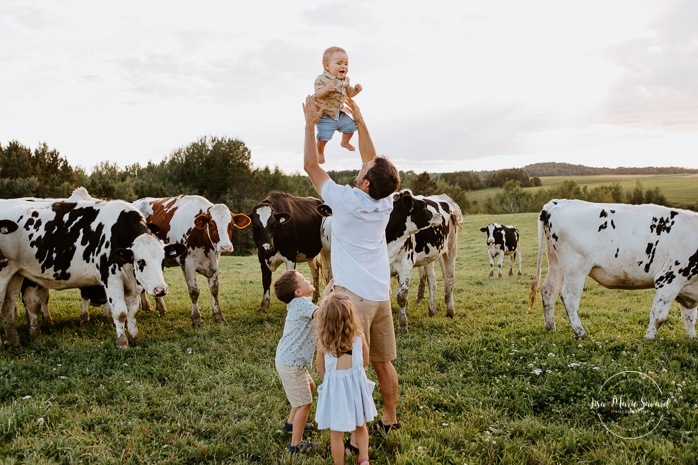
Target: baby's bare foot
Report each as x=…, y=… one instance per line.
x=321, y=158
x=348, y=146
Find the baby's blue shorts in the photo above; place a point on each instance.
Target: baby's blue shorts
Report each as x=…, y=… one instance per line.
x=327, y=126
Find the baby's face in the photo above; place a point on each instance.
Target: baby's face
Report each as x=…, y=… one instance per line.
x=338, y=66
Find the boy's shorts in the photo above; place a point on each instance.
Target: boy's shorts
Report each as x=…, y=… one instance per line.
x=327, y=126
x=296, y=381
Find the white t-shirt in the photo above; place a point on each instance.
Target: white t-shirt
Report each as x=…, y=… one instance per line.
x=359, y=251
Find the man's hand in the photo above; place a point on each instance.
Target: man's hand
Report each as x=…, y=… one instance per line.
x=355, y=111
x=312, y=111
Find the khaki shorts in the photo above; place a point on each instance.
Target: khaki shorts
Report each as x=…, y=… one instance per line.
x=296, y=381
x=377, y=321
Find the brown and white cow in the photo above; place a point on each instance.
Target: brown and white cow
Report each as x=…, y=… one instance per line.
x=66, y=245
x=502, y=241
x=422, y=249
x=620, y=247
x=205, y=230
x=286, y=229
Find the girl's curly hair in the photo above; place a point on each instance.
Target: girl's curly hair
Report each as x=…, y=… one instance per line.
x=337, y=324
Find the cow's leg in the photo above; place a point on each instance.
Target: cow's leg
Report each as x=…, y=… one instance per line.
x=215, y=304
x=266, y=285
x=193, y=287
x=489, y=254
x=315, y=276
x=32, y=304
x=131, y=300
x=500, y=259
x=570, y=295
x=550, y=289
x=403, y=279
x=9, y=295
x=448, y=267
x=119, y=311
x=660, y=310
x=422, y=283
x=518, y=258
x=85, y=312
x=688, y=315
x=145, y=303
x=511, y=264
x=326, y=260
x=431, y=281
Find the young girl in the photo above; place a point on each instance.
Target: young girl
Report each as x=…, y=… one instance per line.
x=345, y=399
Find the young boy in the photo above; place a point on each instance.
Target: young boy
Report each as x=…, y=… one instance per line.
x=294, y=354
x=331, y=90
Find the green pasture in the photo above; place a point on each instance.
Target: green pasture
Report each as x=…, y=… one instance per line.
x=488, y=386
x=677, y=188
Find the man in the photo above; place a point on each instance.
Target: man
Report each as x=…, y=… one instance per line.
x=360, y=264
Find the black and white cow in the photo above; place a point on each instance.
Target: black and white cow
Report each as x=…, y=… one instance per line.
x=422, y=249
x=286, y=229
x=621, y=247
x=63, y=245
x=206, y=230
x=502, y=241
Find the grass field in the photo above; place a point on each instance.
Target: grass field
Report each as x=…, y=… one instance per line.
x=488, y=386
x=677, y=188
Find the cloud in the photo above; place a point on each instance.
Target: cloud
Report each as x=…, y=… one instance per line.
x=658, y=87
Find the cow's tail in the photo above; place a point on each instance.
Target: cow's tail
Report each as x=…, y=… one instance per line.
x=536, y=280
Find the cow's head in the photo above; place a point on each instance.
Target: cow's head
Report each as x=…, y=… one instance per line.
x=409, y=216
x=146, y=255
x=495, y=238
x=265, y=220
x=219, y=222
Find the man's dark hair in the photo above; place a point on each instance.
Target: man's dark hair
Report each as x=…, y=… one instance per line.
x=285, y=287
x=384, y=178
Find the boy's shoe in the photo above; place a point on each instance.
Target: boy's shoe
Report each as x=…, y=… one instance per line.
x=302, y=447
x=288, y=427
x=380, y=427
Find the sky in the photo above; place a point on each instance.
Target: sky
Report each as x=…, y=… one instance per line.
x=447, y=85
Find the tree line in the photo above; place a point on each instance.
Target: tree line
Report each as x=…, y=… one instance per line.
x=220, y=169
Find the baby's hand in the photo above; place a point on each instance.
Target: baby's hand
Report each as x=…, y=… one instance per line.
x=330, y=87
x=358, y=88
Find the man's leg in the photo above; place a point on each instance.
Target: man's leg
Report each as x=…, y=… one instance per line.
x=388, y=383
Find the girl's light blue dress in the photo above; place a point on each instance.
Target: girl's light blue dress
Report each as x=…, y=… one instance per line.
x=345, y=397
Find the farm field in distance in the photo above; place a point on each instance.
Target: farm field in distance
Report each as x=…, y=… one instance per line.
x=677, y=188
x=488, y=386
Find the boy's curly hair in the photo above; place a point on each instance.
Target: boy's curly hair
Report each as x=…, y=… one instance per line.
x=327, y=54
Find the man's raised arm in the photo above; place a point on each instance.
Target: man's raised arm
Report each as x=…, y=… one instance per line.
x=366, y=148
x=317, y=175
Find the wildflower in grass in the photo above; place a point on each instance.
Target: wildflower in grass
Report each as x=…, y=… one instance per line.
x=537, y=371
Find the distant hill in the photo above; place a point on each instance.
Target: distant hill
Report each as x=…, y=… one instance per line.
x=567, y=169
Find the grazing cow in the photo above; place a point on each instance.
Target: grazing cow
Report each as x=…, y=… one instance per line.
x=502, y=241
x=286, y=229
x=37, y=297
x=620, y=247
x=205, y=230
x=63, y=245
x=422, y=249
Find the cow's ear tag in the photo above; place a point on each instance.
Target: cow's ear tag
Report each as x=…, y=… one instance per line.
x=282, y=218
x=241, y=220
x=201, y=221
x=174, y=250
x=122, y=256
x=7, y=226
